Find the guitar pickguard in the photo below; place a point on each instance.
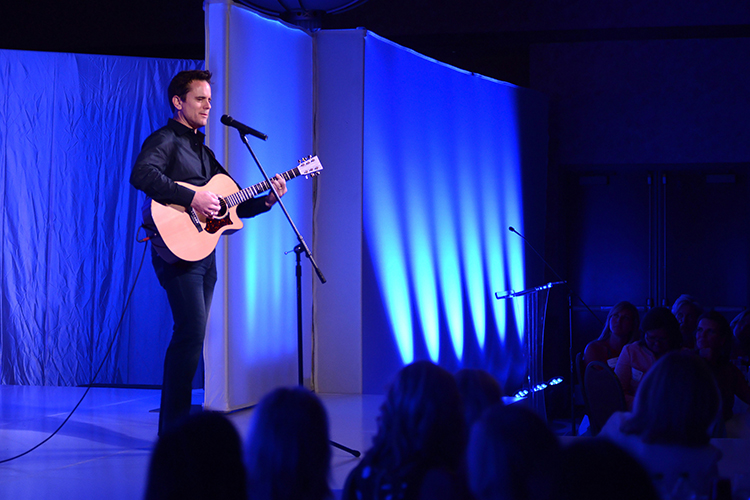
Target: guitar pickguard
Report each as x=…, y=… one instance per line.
x=214, y=225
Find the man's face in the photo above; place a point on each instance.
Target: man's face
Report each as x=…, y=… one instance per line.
x=193, y=111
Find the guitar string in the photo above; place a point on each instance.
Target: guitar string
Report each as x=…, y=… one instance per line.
x=242, y=195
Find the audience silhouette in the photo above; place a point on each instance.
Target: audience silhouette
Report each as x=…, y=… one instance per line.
x=594, y=469
x=445, y=437
x=507, y=447
x=288, y=453
x=198, y=459
x=479, y=390
x=420, y=440
x=676, y=406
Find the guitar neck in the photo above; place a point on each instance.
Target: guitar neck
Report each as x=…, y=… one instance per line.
x=249, y=192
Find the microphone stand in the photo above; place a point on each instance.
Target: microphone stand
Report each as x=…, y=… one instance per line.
x=571, y=358
x=300, y=380
x=302, y=246
x=281, y=203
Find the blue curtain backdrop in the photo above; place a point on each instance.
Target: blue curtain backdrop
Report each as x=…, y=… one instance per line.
x=70, y=128
x=451, y=159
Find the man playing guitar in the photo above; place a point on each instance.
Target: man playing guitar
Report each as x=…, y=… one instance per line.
x=173, y=153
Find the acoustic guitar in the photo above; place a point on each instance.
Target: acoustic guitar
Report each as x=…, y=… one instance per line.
x=190, y=236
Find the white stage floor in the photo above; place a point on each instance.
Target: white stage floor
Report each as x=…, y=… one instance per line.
x=103, y=451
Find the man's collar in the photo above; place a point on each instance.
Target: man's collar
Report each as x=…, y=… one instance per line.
x=181, y=129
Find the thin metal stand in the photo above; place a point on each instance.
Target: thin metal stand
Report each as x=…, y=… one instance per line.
x=297, y=250
x=286, y=213
x=300, y=378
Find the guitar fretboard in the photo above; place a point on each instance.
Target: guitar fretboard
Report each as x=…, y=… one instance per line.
x=249, y=192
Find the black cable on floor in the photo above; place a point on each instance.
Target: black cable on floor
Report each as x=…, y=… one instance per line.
x=93, y=379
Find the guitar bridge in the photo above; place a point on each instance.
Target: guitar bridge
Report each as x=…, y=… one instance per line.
x=195, y=220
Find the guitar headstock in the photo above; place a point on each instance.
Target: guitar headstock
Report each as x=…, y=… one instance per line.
x=310, y=166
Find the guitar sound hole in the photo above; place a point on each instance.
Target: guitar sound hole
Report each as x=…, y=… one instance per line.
x=223, y=210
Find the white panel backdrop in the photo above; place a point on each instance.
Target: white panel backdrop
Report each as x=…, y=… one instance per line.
x=262, y=77
x=425, y=168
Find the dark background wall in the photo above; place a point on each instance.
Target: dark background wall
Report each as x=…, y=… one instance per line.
x=649, y=124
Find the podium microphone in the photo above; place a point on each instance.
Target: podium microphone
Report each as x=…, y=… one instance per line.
x=513, y=230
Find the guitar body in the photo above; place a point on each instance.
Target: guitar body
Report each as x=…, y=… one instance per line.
x=191, y=236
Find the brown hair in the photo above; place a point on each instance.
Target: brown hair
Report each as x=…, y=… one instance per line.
x=180, y=84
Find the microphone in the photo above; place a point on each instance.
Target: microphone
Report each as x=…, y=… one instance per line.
x=242, y=128
x=513, y=230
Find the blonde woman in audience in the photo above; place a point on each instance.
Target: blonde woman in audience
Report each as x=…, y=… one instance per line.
x=621, y=328
x=675, y=409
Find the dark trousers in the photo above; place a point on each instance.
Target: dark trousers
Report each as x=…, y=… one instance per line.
x=190, y=288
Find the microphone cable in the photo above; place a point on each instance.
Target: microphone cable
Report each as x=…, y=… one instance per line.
x=101, y=365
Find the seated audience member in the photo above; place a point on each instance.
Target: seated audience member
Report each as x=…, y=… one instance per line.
x=420, y=440
x=621, y=328
x=741, y=331
x=595, y=469
x=288, y=453
x=687, y=310
x=714, y=344
x=479, y=390
x=669, y=429
x=507, y=448
x=661, y=334
x=199, y=459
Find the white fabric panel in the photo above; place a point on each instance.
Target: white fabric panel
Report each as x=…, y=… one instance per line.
x=338, y=211
x=263, y=78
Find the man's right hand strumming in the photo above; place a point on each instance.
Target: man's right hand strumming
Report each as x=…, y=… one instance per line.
x=206, y=203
